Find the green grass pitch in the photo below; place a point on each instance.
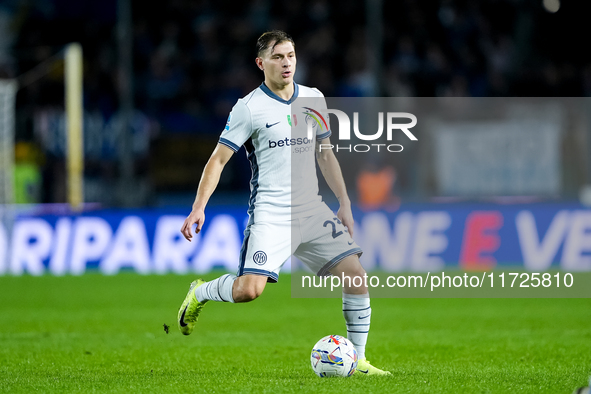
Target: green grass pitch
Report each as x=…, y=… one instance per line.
x=105, y=334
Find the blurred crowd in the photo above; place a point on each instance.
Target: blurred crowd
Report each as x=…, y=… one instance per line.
x=192, y=59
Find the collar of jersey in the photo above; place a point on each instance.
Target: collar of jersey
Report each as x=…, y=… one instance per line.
x=269, y=93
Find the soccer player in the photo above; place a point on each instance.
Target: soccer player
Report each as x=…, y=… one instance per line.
x=283, y=219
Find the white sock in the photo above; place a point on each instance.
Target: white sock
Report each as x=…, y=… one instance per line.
x=219, y=289
x=357, y=313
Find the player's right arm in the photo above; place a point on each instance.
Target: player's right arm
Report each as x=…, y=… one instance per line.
x=238, y=129
x=209, y=181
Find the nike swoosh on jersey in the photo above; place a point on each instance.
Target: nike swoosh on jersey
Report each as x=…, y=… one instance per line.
x=271, y=125
x=182, y=321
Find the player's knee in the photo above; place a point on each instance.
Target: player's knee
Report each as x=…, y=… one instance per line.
x=354, y=270
x=349, y=266
x=247, y=291
x=248, y=294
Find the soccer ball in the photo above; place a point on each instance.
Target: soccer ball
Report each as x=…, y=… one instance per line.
x=334, y=355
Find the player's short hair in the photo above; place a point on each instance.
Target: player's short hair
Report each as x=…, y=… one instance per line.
x=270, y=39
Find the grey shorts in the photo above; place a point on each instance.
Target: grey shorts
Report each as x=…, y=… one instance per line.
x=320, y=242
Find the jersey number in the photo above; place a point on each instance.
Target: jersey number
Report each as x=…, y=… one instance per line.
x=334, y=227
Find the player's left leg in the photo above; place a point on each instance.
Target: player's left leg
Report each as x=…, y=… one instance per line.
x=328, y=248
x=356, y=309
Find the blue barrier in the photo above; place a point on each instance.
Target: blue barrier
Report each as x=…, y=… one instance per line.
x=425, y=237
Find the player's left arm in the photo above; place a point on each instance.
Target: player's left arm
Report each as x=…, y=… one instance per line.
x=331, y=170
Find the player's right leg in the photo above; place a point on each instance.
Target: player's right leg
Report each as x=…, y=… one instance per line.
x=226, y=288
x=265, y=248
x=248, y=287
x=190, y=309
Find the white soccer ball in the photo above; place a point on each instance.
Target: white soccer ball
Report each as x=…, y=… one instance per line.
x=334, y=355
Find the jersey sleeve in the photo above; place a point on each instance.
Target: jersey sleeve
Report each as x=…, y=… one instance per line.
x=238, y=127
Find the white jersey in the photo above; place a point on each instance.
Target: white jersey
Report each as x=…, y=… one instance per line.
x=281, y=150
